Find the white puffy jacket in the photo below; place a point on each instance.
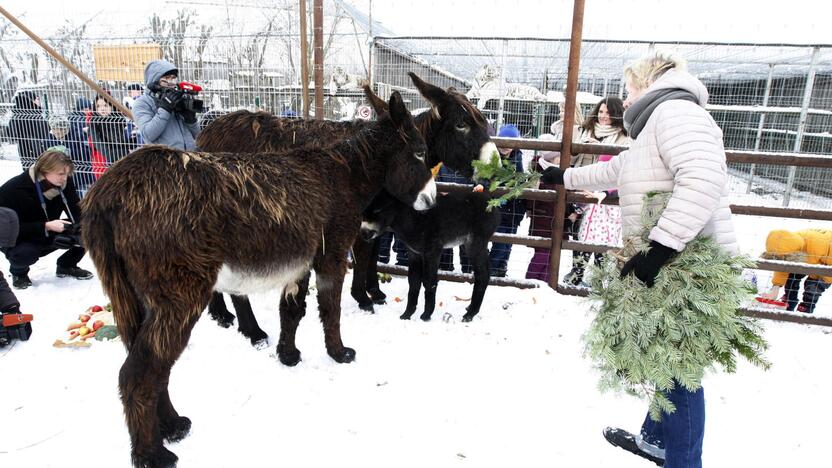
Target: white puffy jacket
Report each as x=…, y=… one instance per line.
x=680, y=150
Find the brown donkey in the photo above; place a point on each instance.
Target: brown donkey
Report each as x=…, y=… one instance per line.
x=455, y=132
x=166, y=227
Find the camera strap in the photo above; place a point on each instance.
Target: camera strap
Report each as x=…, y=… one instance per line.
x=39, y=191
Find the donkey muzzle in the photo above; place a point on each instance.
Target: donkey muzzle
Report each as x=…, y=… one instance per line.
x=369, y=231
x=426, y=198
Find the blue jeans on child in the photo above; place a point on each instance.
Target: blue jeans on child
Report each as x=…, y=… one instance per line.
x=680, y=434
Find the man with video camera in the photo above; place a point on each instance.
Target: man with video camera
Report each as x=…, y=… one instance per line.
x=166, y=112
x=39, y=196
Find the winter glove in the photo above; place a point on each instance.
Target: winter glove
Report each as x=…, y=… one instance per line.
x=169, y=99
x=552, y=175
x=189, y=116
x=646, y=265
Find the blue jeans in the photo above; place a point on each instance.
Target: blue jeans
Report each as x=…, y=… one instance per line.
x=500, y=252
x=680, y=434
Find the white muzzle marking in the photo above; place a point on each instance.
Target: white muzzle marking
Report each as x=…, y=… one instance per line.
x=426, y=197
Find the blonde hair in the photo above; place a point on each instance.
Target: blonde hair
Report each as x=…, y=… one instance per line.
x=646, y=70
x=53, y=160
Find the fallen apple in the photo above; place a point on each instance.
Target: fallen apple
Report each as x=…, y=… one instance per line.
x=97, y=324
x=83, y=331
x=84, y=318
x=96, y=308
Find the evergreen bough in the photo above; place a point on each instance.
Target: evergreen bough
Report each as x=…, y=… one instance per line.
x=643, y=339
x=501, y=173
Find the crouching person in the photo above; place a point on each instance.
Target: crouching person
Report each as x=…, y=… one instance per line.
x=13, y=324
x=39, y=197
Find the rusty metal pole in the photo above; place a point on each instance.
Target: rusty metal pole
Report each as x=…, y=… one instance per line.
x=566, y=143
x=318, y=31
x=304, y=60
x=92, y=84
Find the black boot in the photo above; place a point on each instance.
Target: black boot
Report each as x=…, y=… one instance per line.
x=75, y=272
x=629, y=442
x=21, y=281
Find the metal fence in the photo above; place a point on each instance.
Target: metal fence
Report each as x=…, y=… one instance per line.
x=765, y=98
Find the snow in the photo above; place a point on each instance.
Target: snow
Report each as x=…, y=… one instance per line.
x=510, y=388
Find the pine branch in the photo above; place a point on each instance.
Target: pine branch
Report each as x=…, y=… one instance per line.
x=501, y=173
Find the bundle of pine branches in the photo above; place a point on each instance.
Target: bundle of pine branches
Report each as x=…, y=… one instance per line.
x=500, y=173
x=642, y=339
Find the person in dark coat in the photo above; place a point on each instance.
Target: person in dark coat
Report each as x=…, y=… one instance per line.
x=9, y=228
x=39, y=196
x=513, y=211
x=78, y=142
x=28, y=127
x=108, y=132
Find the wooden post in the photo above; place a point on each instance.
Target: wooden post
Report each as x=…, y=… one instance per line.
x=318, y=31
x=566, y=144
x=60, y=58
x=304, y=61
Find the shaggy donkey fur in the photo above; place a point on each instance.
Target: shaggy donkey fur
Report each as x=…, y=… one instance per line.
x=455, y=133
x=457, y=219
x=166, y=227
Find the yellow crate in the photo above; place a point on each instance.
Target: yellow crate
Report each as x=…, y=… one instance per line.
x=124, y=62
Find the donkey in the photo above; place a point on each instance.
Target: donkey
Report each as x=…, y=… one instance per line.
x=457, y=219
x=166, y=227
x=456, y=133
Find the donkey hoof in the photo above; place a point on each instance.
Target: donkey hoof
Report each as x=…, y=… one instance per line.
x=366, y=305
x=406, y=315
x=224, y=320
x=289, y=358
x=176, y=430
x=377, y=296
x=468, y=317
x=258, y=338
x=425, y=317
x=345, y=356
x=160, y=458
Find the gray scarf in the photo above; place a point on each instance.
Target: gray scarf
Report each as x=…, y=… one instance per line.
x=637, y=115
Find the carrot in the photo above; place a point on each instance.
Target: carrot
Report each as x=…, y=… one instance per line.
x=88, y=335
x=74, y=326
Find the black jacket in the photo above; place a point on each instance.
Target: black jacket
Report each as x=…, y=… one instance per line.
x=19, y=194
x=28, y=128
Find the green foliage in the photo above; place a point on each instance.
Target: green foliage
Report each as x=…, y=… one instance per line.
x=501, y=173
x=642, y=339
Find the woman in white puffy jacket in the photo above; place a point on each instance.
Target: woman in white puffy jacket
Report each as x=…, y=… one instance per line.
x=677, y=147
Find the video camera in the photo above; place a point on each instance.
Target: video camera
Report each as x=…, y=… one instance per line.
x=184, y=95
x=188, y=100
x=70, y=237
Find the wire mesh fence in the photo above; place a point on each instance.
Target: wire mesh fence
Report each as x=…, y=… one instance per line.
x=765, y=98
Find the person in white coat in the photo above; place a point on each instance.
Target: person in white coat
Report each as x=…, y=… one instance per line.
x=677, y=147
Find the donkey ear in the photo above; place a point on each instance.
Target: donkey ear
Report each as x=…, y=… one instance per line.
x=436, y=95
x=398, y=112
x=376, y=102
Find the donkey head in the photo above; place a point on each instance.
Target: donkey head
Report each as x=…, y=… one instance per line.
x=379, y=215
x=407, y=177
x=456, y=131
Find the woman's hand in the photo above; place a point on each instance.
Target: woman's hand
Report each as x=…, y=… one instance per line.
x=56, y=225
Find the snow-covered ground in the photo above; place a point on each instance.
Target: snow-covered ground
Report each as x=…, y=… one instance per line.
x=510, y=388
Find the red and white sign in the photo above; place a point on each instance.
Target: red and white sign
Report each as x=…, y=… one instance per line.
x=364, y=112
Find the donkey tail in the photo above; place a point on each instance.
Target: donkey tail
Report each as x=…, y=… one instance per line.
x=99, y=239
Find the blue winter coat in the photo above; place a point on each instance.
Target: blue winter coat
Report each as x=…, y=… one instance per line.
x=156, y=125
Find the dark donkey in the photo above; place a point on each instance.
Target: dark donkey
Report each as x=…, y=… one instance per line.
x=457, y=219
x=166, y=227
x=455, y=132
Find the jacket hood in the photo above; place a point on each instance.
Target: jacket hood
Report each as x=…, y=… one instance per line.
x=82, y=103
x=155, y=70
x=676, y=79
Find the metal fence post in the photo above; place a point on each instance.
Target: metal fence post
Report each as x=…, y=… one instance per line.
x=761, y=124
x=502, y=86
x=566, y=145
x=801, y=125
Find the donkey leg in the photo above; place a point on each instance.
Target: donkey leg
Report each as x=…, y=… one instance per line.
x=292, y=309
x=329, y=275
x=218, y=312
x=361, y=252
x=144, y=376
x=480, y=263
x=430, y=265
x=377, y=296
x=247, y=323
x=172, y=427
x=414, y=283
